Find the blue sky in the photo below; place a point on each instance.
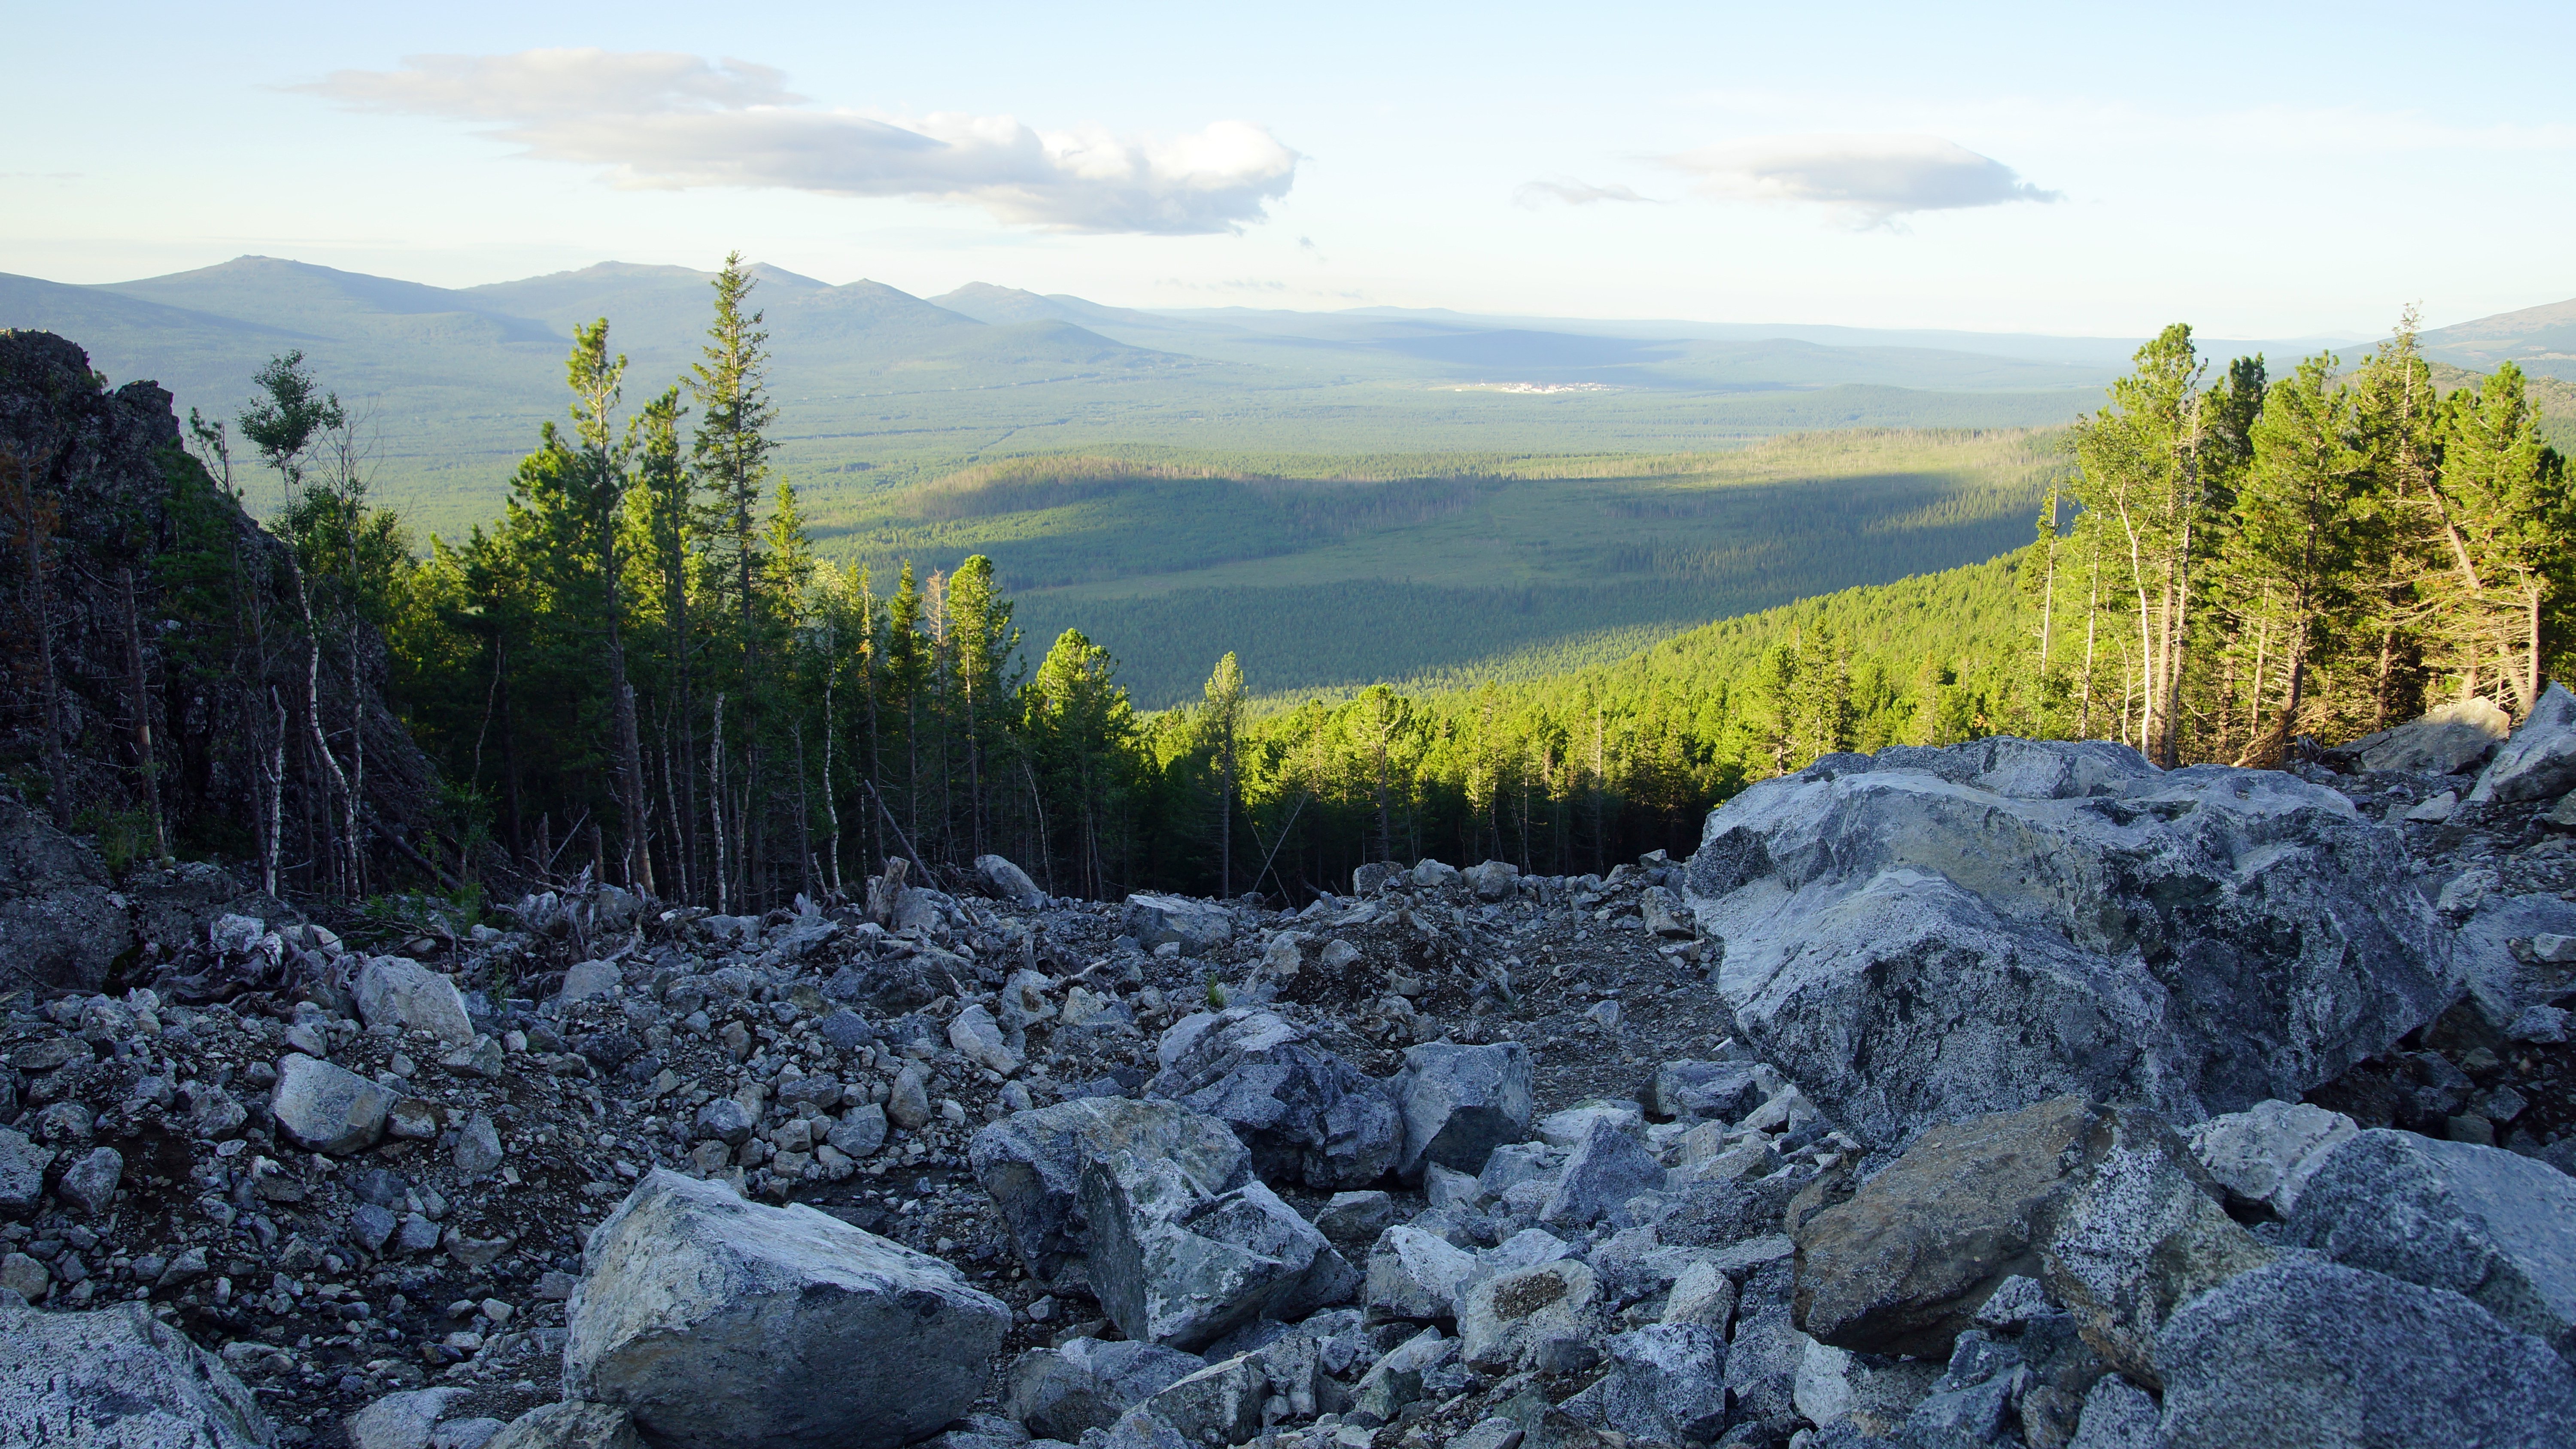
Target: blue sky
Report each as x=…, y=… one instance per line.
x=2269, y=171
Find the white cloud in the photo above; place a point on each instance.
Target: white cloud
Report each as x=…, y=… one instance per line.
x=1866, y=179
x=664, y=120
x=1571, y=192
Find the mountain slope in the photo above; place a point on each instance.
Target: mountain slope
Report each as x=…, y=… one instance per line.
x=2541, y=339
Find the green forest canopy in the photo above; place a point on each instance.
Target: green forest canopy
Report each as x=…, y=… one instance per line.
x=646, y=655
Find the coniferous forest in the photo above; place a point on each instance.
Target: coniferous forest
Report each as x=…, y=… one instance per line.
x=643, y=670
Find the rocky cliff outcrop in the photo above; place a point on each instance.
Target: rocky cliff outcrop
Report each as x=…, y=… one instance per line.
x=157, y=595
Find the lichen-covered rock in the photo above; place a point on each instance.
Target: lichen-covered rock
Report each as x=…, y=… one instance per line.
x=2482, y=1222
x=2104, y=1204
x=1032, y=1162
x=118, y=1378
x=1935, y=932
x=1531, y=1315
x=718, y=1322
x=2312, y=1355
x=1307, y=1115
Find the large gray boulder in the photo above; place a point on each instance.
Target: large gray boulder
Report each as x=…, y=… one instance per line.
x=1032, y=1162
x=2311, y=1355
x=1007, y=881
x=2539, y=762
x=2444, y=740
x=117, y=1378
x=719, y=1323
x=1197, y=927
x=1307, y=1115
x=1935, y=932
x=327, y=1108
x=2265, y=1154
x=399, y=992
x=1459, y=1103
x=1174, y=1264
x=2487, y=1224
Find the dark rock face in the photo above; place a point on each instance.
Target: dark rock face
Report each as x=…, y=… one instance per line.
x=57, y=925
x=132, y=507
x=1931, y=933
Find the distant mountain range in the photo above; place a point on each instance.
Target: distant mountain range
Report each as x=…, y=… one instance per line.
x=875, y=381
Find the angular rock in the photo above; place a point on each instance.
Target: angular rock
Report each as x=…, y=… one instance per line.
x=1354, y=1219
x=1058, y=1393
x=2265, y=1154
x=327, y=1108
x=2491, y=1225
x=401, y=1421
x=1566, y=1128
x=1527, y=1315
x=1174, y=1264
x=1664, y=914
x=717, y=1322
x=1008, y=882
x=1494, y=880
x=2141, y=1234
x=1667, y=1383
x=1871, y=1394
x=1368, y=879
x=1395, y=1380
x=478, y=1147
x=2312, y=1355
x=89, y=1184
x=400, y=992
x=2539, y=761
x=569, y=1424
x=118, y=1376
x=1904, y=1265
x=1459, y=1103
x=1032, y=1164
x=2502, y=981
x=2444, y=740
x=2118, y=1415
x=590, y=981
x=1714, y=1091
x=22, y=1173
x=1218, y=1404
x=1414, y=1275
x=978, y=1037
x=1934, y=932
x=1198, y=927
x=1606, y=1168
x=860, y=1132
x=909, y=1103
x=1307, y=1115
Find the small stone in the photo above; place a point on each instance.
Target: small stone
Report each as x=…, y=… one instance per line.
x=478, y=1147
x=89, y=1184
